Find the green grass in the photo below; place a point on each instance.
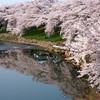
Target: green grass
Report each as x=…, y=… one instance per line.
x=35, y=34
x=39, y=34
x=3, y=31
x=9, y=37
x=5, y=35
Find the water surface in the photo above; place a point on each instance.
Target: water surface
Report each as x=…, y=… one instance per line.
x=30, y=73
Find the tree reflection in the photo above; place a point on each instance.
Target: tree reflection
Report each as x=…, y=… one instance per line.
x=53, y=70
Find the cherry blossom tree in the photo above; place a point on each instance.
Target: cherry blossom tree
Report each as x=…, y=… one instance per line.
x=79, y=21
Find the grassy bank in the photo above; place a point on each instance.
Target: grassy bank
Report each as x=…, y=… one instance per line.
x=39, y=34
x=35, y=36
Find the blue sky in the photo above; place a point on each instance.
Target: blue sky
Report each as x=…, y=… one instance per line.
x=4, y=2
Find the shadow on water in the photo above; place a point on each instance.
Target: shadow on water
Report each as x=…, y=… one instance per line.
x=45, y=68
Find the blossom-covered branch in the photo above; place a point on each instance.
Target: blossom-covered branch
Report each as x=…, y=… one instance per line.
x=79, y=21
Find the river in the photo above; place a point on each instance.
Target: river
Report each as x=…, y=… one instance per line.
x=30, y=73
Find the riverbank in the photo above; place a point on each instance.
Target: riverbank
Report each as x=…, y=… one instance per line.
x=49, y=46
x=46, y=45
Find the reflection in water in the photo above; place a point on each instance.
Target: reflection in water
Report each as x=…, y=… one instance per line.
x=45, y=68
